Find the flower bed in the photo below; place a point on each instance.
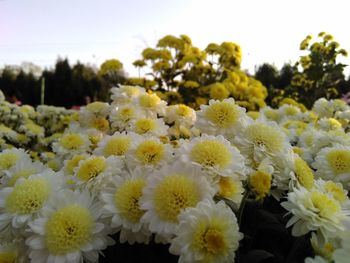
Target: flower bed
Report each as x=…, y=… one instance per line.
x=139, y=181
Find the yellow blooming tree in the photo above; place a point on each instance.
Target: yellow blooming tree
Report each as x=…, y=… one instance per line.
x=318, y=73
x=183, y=73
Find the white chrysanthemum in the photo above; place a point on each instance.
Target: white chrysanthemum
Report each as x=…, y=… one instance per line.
x=124, y=94
x=328, y=124
x=148, y=126
x=121, y=203
x=262, y=139
x=121, y=116
x=22, y=169
x=71, y=144
x=314, y=210
x=269, y=114
x=207, y=233
x=151, y=104
x=148, y=151
x=71, y=163
x=117, y=144
x=31, y=129
x=289, y=112
x=8, y=133
x=168, y=192
x=215, y=154
x=300, y=172
x=336, y=190
x=22, y=202
x=9, y=158
x=69, y=230
x=231, y=188
x=97, y=171
x=180, y=114
x=333, y=163
x=342, y=254
x=323, y=108
x=316, y=259
x=221, y=118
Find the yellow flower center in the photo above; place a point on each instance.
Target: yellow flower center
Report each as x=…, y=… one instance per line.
x=100, y=124
x=260, y=183
x=145, y=125
x=173, y=194
x=336, y=190
x=72, y=163
x=325, y=205
x=68, y=229
x=266, y=137
x=20, y=174
x=228, y=187
x=272, y=114
x=28, y=197
x=150, y=152
x=126, y=114
x=211, y=153
x=183, y=110
x=339, y=161
x=131, y=91
x=210, y=239
x=127, y=198
x=91, y=168
x=223, y=114
x=71, y=141
x=117, y=146
x=7, y=160
x=303, y=173
x=149, y=101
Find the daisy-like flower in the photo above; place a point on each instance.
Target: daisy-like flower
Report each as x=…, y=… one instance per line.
x=148, y=126
x=221, y=117
x=117, y=144
x=333, y=163
x=328, y=124
x=8, y=133
x=215, y=154
x=301, y=173
x=121, y=203
x=125, y=94
x=314, y=210
x=260, y=140
x=207, y=233
x=168, y=192
x=70, y=164
x=71, y=143
x=231, y=188
x=151, y=104
x=180, y=114
x=97, y=171
x=121, y=116
x=9, y=158
x=22, y=202
x=323, y=108
x=32, y=130
x=342, y=254
x=148, y=151
x=261, y=180
x=336, y=190
x=22, y=169
x=68, y=230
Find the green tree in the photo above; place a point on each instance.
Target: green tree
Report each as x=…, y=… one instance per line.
x=318, y=73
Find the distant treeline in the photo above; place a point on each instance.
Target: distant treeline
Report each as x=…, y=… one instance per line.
x=65, y=85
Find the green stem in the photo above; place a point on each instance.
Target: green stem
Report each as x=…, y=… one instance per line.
x=241, y=207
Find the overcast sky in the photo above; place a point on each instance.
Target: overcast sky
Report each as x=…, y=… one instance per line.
x=95, y=30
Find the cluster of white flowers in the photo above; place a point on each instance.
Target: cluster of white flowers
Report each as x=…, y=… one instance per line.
x=145, y=170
